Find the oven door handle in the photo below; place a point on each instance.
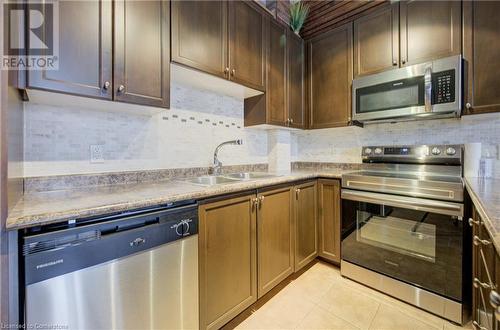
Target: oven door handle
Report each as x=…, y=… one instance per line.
x=418, y=204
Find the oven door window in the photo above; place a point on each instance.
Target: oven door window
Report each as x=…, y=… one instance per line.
x=399, y=231
x=391, y=95
x=420, y=248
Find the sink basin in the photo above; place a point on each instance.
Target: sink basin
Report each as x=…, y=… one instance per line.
x=250, y=175
x=211, y=180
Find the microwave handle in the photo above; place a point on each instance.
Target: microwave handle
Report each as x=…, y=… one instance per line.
x=428, y=88
x=411, y=203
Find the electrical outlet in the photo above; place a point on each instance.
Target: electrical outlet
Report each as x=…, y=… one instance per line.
x=96, y=153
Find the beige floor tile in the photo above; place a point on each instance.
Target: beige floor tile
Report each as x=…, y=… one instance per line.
x=391, y=318
x=259, y=322
x=319, y=319
x=311, y=286
x=286, y=309
x=350, y=304
x=451, y=326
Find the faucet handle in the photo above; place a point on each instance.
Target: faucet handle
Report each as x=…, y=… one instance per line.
x=239, y=141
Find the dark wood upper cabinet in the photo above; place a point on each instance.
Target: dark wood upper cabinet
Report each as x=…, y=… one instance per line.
x=296, y=95
x=481, y=52
x=276, y=75
x=330, y=78
x=247, y=40
x=429, y=30
x=199, y=35
x=142, y=52
x=85, y=51
x=376, y=41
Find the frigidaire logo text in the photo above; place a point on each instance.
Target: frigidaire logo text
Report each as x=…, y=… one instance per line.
x=50, y=263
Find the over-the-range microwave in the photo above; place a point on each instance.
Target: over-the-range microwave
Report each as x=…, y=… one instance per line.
x=432, y=89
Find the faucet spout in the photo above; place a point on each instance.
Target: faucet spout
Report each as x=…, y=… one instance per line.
x=217, y=166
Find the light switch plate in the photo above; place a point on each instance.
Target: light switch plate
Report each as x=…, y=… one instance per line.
x=96, y=153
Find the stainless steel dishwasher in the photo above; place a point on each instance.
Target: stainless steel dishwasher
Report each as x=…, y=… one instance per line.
x=126, y=271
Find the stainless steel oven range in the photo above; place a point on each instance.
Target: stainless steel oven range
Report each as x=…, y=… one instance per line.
x=402, y=226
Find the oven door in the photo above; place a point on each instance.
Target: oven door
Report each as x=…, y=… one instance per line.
x=414, y=240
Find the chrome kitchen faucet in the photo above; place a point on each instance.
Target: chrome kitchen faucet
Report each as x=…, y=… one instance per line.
x=217, y=166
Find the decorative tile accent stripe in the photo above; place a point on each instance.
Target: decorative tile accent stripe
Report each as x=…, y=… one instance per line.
x=297, y=166
x=65, y=182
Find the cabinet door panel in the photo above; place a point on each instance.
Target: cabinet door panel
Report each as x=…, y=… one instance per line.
x=429, y=30
x=247, y=40
x=199, y=35
x=376, y=41
x=481, y=50
x=306, y=233
x=276, y=75
x=329, y=219
x=227, y=260
x=85, y=43
x=142, y=52
x=330, y=78
x=274, y=238
x=296, y=95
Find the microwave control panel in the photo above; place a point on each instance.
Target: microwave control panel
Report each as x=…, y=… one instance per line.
x=443, y=87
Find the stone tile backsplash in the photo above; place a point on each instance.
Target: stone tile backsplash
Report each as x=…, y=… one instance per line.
x=58, y=139
x=343, y=145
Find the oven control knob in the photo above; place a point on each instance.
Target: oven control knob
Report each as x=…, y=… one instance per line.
x=436, y=151
x=378, y=151
x=368, y=151
x=451, y=151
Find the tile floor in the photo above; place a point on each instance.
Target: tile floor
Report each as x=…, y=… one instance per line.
x=322, y=299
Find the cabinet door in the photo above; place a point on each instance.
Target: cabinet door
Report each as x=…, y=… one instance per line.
x=227, y=259
x=199, y=35
x=296, y=65
x=276, y=75
x=481, y=52
x=429, y=30
x=142, y=52
x=274, y=238
x=330, y=78
x=306, y=233
x=85, y=51
x=329, y=219
x=376, y=41
x=247, y=40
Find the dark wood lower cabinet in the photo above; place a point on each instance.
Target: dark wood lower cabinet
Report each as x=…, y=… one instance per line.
x=329, y=219
x=306, y=224
x=274, y=238
x=227, y=259
x=485, y=279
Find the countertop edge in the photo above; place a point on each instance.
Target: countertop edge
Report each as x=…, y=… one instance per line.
x=23, y=222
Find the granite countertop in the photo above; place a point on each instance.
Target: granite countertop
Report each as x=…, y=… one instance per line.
x=57, y=206
x=485, y=194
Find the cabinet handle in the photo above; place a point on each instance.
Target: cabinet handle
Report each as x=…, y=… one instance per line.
x=291, y=121
x=233, y=72
x=477, y=241
x=477, y=326
x=226, y=70
x=473, y=222
x=394, y=63
x=121, y=88
x=297, y=193
x=403, y=61
x=477, y=283
x=106, y=85
x=255, y=201
x=260, y=200
x=468, y=106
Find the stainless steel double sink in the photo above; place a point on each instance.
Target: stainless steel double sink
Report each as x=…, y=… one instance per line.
x=211, y=180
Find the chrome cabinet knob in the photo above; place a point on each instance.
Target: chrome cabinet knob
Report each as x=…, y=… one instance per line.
x=106, y=85
x=394, y=63
x=468, y=105
x=233, y=72
x=291, y=120
x=121, y=88
x=403, y=61
x=226, y=70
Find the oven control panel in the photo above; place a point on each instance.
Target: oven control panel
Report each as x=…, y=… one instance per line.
x=413, y=154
